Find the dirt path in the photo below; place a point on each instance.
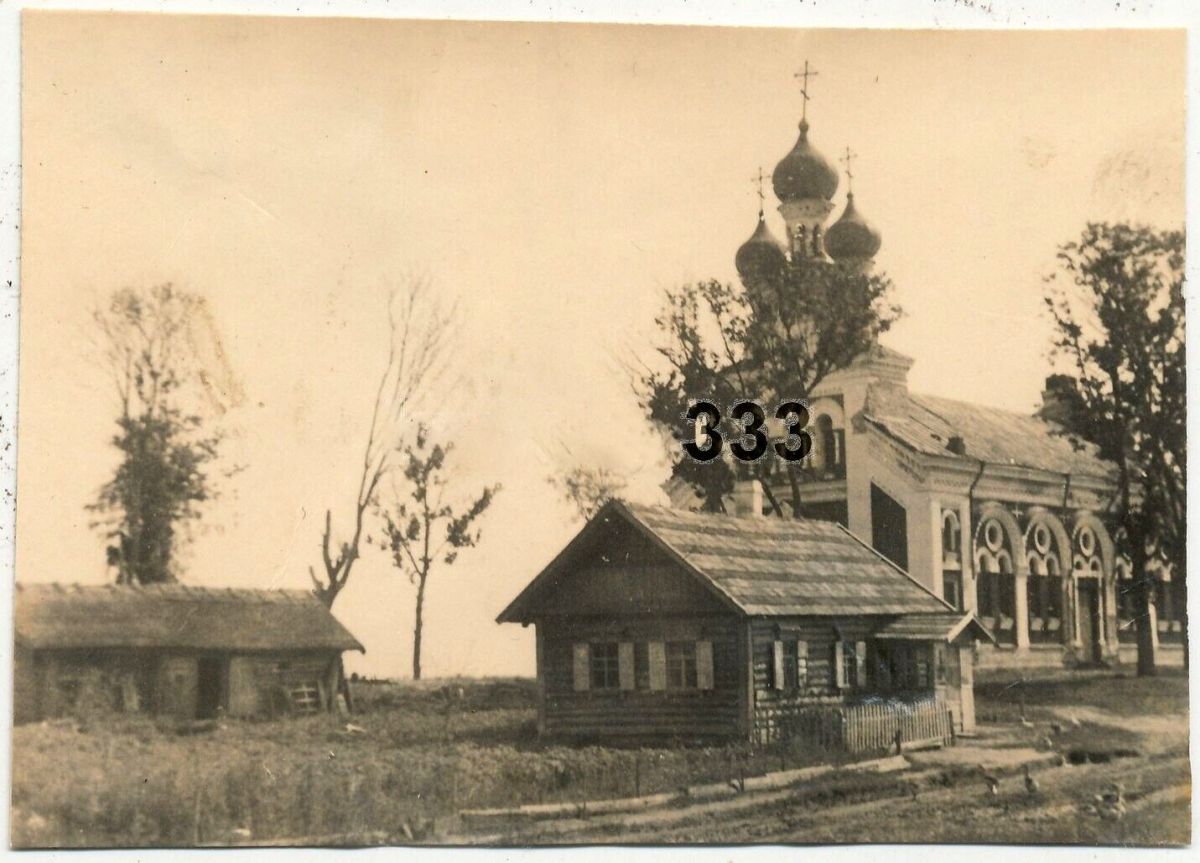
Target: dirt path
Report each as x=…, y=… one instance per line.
x=1059, y=812
x=1159, y=733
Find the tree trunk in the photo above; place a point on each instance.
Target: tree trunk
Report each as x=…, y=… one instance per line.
x=794, y=482
x=417, y=629
x=1146, y=666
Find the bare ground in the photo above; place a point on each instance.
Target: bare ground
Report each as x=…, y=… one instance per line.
x=943, y=797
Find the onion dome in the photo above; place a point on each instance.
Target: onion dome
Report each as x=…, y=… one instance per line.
x=761, y=255
x=804, y=173
x=851, y=236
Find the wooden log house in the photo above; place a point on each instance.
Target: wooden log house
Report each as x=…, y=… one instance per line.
x=187, y=652
x=661, y=623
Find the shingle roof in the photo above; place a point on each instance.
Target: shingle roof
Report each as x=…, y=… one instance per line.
x=933, y=627
x=178, y=616
x=926, y=424
x=766, y=566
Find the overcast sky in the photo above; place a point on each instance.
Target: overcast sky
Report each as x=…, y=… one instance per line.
x=556, y=179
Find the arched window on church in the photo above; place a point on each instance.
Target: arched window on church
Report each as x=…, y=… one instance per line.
x=1087, y=574
x=952, y=559
x=801, y=239
x=996, y=588
x=1044, y=587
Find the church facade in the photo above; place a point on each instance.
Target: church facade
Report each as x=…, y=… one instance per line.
x=994, y=511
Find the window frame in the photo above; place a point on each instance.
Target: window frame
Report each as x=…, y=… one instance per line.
x=682, y=670
x=604, y=671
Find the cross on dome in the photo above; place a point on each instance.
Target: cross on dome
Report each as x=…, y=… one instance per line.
x=803, y=76
x=758, y=181
x=849, y=157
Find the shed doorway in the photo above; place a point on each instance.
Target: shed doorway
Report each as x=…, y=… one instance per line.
x=209, y=673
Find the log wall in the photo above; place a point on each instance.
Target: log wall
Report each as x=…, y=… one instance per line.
x=640, y=713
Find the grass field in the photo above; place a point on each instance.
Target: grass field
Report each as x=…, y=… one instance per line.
x=407, y=762
x=121, y=781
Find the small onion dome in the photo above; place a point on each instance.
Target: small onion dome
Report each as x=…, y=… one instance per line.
x=851, y=236
x=804, y=173
x=761, y=255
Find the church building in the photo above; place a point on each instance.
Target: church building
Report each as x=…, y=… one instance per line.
x=994, y=511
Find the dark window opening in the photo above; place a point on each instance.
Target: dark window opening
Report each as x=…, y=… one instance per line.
x=1168, y=611
x=641, y=665
x=996, y=599
x=605, y=665
x=681, y=665
x=952, y=588
x=1044, y=594
x=889, y=527
x=208, y=687
x=903, y=667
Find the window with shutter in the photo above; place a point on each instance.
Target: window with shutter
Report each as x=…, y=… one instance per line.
x=790, y=680
x=839, y=664
x=801, y=664
x=681, y=664
x=625, y=664
x=860, y=664
x=605, y=657
x=778, y=675
x=582, y=671
x=704, y=665
x=656, y=652
x=641, y=665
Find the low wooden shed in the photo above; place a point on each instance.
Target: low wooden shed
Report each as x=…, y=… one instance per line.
x=656, y=622
x=172, y=649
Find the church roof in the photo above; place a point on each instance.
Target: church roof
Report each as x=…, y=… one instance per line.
x=926, y=424
x=758, y=566
x=175, y=616
x=852, y=236
x=804, y=173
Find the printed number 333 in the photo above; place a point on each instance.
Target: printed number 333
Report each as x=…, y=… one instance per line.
x=752, y=443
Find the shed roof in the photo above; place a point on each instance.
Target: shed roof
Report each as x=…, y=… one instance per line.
x=175, y=616
x=926, y=424
x=761, y=566
x=933, y=627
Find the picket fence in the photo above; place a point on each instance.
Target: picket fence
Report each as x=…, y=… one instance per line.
x=870, y=725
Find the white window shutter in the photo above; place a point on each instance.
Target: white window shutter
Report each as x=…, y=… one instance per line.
x=657, y=654
x=777, y=676
x=860, y=663
x=839, y=665
x=625, y=664
x=582, y=667
x=802, y=664
x=704, y=665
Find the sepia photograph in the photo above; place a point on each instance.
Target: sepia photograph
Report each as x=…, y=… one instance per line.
x=510, y=434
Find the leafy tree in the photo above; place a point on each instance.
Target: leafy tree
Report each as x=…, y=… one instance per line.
x=153, y=343
x=1118, y=310
x=419, y=331
x=588, y=489
x=422, y=530
x=773, y=342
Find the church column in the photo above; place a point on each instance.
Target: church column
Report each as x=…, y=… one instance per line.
x=967, y=556
x=936, y=554
x=1021, y=568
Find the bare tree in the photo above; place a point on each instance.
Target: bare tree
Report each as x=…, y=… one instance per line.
x=419, y=326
